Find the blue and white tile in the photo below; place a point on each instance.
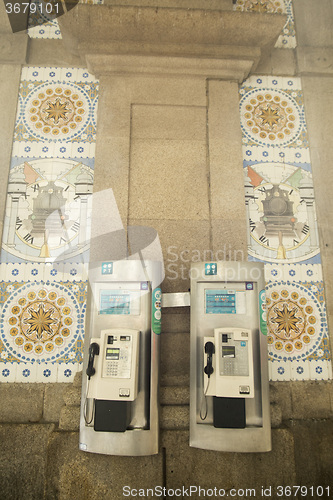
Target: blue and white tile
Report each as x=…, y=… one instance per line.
x=292, y=272
x=281, y=370
x=26, y=372
x=66, y=372
x=3, y=270
x=34, y=271
x=51, y=74
x=69, y=74
x=53, y=271
x=8, y=372
x=74, y=271
x=311, y=273
x=320, y=369
x=49, y=30
x=300, y=370
x=46, y=373
x=15, y=272
x=274, y=272
x=83, y=75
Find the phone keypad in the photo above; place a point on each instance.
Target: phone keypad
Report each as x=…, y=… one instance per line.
x=238, y=365
x=111, y=368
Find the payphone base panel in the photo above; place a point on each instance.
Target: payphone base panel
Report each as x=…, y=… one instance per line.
x=229, y=413
x=112, y=416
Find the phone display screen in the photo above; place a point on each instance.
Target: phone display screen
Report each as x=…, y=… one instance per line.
x=112, y=353
x=228, y=351
x=220, y=302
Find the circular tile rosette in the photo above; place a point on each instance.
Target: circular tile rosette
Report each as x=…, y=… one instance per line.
x=270, y=117
x=56, y=111
x=294, y=324
x=39, y=322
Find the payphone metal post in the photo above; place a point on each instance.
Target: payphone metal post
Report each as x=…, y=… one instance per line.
x=229, y=388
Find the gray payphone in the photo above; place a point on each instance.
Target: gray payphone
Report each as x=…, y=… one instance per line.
x=229, y=394
x=119, y=408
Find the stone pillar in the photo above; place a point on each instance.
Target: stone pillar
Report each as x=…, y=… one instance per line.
x=168, y=132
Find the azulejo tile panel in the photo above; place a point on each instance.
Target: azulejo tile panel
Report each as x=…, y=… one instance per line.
x=42, y=322
x=56, y=107
x=48, y=210
x=46, y=231
x=287, y=39
x=282, y=230
x=51, y=176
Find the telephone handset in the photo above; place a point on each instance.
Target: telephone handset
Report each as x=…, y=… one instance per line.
x=93, y=351
x=209, y=350
x=209, y=370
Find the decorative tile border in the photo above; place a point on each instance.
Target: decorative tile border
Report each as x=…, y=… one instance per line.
x=283, y=229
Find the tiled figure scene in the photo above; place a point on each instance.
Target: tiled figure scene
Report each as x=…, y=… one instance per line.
x=283, y=227
x=287, y=39
x=45, y=241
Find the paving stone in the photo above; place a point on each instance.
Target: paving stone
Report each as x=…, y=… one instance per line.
x=21, y=402
x=175, y=417
x=276, y=415
x=174, y=395
x=313, y=452
x=175, y=320
x=72, y=395
x=77, y=382
x=175, y=359
x=280, y=393
x=23, y=460
x=76, y=475
x=310, y=400
x=69, y=418
x=191, y=466
x=53, y=401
